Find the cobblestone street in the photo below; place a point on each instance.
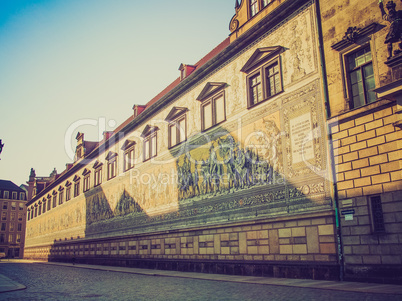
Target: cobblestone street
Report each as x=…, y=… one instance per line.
x=52, y=282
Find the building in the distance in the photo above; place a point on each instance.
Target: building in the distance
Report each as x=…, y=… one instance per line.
x=13, y=220
x=365, y=117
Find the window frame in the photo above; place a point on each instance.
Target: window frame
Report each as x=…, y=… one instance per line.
x=128, y=162
x=175, y=123
x=86, y=182
x=61, y=196
x=347, y=81
x=377, y=221
x=150, y=136
x=112, y=168
x=98, y=176
x=263, y=72
x=77, y=187
x=212, y=101
x=259, y=6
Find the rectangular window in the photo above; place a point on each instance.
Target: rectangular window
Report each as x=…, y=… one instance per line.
x=129, y=159
x=2, y=237
x=3, y=226
x=12, y=216
x=98, y=176
x=61, y=196
x=20, y=216
x=377, y=216
x=22, y=196
x=253, y=7
x=150, y=146
x=177, y=131
x=36, y=211
x=266, y=2
x=19, y=227
x=10, y=238
x=13, y=205
x=6, y=194
x=86, y=182
x=68, y=193
x=40, y=209
x=264, y=83
x=14, y=195
x=111, y=168
x=213, y=111
x=361, y=78
x=54, y=200
x=4, y=216
x=11, y=227
x=44, y=206
x=21, y=206
x=49, y=203
x=18, y=237
x=77, y=188
x=5, y=206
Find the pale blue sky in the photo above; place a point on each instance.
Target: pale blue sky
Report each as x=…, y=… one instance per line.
x=62, y=61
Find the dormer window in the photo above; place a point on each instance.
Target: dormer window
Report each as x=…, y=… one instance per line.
x=150, y=142
x=186, y=70
x=257, y=5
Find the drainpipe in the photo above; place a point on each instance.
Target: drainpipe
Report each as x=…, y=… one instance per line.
x=330, y=145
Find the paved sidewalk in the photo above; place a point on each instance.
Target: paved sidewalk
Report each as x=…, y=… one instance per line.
x=6, y=283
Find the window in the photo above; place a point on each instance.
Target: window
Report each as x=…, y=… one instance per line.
x=253, y=7
x=213, y=111
x=129, y=158
x=20, y=216
x=150, y=142
x=54, y=200
x=12, y=216
x=3, y=226
x=36, y=211
x=177, y=126
x=4, y=216
x=13, y=205
x=361, y=78
x=21, y=206
x=11, y=227
x=5, y=205
x=11, y=238
x=43, y=207
x=77, y=187
x=18, y=237
x=14, y=195
x=112, y=168
x=68, y=191
x=49, y=202
x=6, y=194
x=61, y=196
x=264, y=83
x=2, y=237
x=22, y=196
x=98, y=176
x=377, y=216
x=40, y=209
x=86, y=182
x=19, y=227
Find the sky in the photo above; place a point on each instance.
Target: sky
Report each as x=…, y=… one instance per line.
x=69, y=66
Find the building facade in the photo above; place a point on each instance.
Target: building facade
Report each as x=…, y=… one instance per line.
x=260, y=159
x=364, y=109
x=13, y=220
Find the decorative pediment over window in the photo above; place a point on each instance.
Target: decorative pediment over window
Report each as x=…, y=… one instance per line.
x=261, y=56
x=110, y=156
x=86, y=171
x=97, y=164
x=210, y=89
x=54, y=192
x=68, y=183
x=149, y=130
x=49, y=196
x=61, y=188
x=175, y=112
x=76, y=178
x=44, y=200
x=356, y=35
x=127, y=144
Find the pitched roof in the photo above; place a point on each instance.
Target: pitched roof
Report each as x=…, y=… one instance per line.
x=8, y=185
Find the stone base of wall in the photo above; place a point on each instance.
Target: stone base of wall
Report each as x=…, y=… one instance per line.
x=295, y=270
x=391, y=274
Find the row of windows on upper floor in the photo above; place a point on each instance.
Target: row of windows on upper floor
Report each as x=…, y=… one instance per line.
x=11, y=217
x=11, y=226
x=263, y=83
x=11, y=238
x=5, y=194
